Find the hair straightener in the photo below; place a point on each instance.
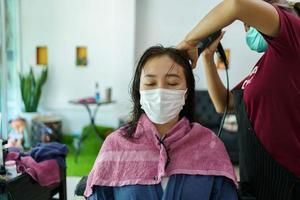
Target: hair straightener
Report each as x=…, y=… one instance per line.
x=221, y=54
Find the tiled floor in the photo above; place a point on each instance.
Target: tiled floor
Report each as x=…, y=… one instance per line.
x=237, y=172
x=71, y=185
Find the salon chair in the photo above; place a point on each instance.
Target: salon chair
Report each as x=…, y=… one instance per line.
x=23, y=187
x=206, y=115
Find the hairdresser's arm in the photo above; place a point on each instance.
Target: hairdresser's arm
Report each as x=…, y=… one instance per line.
x=216, y=89
x=256, y=13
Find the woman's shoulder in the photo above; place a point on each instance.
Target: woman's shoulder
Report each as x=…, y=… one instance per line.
x=118, y=140
x=113, y=140
x=200, y=129
x=205, y=137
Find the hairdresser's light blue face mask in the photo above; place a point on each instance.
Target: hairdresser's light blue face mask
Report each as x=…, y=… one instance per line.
x=256, y=41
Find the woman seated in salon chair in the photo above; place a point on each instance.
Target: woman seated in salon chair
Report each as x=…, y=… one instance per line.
x=162, y=153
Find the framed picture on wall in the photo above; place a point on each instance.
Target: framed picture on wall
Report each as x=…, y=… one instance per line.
x=42, y=55
x=220, y=64
x=81, y=56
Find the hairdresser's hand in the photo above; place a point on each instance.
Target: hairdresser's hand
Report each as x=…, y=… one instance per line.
x=191, y=50
x=209, y=52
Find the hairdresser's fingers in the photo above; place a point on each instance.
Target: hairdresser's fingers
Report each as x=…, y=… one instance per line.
x=211, y=49
x=185, y=46
x=193, y=55
x=191, y=50
x=215, y=44
x=182, y=46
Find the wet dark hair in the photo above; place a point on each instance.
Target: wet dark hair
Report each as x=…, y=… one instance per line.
x=297, y=8
x=181, y=59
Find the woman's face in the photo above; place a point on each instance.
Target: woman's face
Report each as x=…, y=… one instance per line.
x=162, y=72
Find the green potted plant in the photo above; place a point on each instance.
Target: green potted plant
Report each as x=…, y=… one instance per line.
x=31, y=90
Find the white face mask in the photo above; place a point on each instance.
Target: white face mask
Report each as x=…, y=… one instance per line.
x=162, y=105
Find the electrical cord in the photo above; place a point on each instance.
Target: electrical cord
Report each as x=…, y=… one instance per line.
x=222, y=56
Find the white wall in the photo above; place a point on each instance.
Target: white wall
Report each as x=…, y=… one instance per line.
x=106, y=28
x=116, y=33
x=167, y=22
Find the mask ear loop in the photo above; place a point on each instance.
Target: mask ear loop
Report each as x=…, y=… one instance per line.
x=185, y=94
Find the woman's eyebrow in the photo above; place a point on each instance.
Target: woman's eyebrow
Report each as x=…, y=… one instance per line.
x=172, y=75
x=149, y=75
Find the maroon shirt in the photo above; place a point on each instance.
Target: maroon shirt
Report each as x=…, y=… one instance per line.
x=272, y=94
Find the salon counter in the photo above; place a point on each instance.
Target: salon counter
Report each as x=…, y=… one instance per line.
x=23, y=187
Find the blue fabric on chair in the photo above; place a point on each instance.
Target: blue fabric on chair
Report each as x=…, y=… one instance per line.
x=205, y=114
x=186, y=187
x=52, y=150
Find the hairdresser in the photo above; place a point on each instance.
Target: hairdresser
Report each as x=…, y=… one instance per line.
x=267, y=101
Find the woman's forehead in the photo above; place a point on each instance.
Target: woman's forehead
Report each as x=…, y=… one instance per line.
x=161, y=66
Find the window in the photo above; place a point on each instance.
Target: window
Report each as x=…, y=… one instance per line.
x=9, y=62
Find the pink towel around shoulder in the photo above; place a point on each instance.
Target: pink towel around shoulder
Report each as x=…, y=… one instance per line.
x=193, y=150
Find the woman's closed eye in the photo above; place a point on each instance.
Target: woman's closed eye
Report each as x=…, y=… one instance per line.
x=173, y=80
x=169, y=83
x=173, y=83
x=149, y=84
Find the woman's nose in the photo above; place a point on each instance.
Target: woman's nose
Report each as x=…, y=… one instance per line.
x=161, y=85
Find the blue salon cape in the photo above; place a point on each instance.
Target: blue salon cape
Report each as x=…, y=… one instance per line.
x=180, y=187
